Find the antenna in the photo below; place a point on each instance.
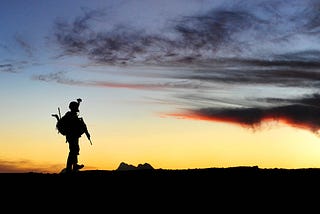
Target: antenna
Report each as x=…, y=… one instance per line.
x=59, y=112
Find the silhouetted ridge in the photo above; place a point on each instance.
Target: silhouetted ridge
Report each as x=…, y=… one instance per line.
x=125, y=167
x=144, y=166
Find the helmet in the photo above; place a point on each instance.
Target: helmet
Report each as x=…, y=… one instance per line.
x=74, y=106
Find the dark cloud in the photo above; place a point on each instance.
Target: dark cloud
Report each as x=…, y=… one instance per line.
x=214, y=30
x=196, y=37
x=302, y=113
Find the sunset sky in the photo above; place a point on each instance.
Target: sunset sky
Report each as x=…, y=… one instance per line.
x=177, y=84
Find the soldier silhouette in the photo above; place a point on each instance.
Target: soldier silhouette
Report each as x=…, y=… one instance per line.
x=74, y=127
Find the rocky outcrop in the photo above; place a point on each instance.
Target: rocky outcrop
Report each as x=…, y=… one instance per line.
x=124, y=167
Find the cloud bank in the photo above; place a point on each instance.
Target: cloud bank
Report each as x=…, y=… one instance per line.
x=302, y=113
x=240, y=62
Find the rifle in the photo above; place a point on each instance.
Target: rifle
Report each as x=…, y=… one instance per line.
x=86, y=130
x=79, y=100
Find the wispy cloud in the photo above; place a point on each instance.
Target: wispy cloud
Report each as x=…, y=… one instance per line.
x=22, y=42
x=58, y=77
x=13, y=66
x=62, y=78
x=251, y=31
x=7, y=68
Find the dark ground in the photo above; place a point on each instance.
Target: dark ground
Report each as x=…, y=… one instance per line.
x=226, y=189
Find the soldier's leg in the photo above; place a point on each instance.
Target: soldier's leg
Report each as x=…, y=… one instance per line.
x=73, y=152
x=76, y=166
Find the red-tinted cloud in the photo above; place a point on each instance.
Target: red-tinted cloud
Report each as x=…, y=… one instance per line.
x=305, y=114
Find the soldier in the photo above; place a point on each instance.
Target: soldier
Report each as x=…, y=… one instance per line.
x=73, y=128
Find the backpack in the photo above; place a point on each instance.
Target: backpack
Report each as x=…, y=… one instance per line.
x=75, y=127
x=62, y=126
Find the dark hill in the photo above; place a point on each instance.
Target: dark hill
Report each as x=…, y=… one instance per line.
x=124, y=166
x=207, y=176
x=242, y=188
